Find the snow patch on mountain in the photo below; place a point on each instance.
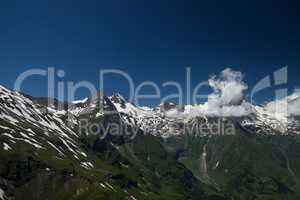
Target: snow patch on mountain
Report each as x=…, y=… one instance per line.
x=2, y=195
x=80, y=101
x=23, y=120
x=6, y=147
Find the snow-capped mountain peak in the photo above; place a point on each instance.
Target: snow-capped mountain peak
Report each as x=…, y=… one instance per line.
x=167, y=120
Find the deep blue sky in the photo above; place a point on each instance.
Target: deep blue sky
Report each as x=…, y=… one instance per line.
x=150, y=40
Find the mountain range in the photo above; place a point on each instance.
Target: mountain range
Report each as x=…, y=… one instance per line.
x=105, y=147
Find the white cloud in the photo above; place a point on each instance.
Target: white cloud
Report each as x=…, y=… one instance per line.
x=207, y=109
x=226, y=99
x=228, y=88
